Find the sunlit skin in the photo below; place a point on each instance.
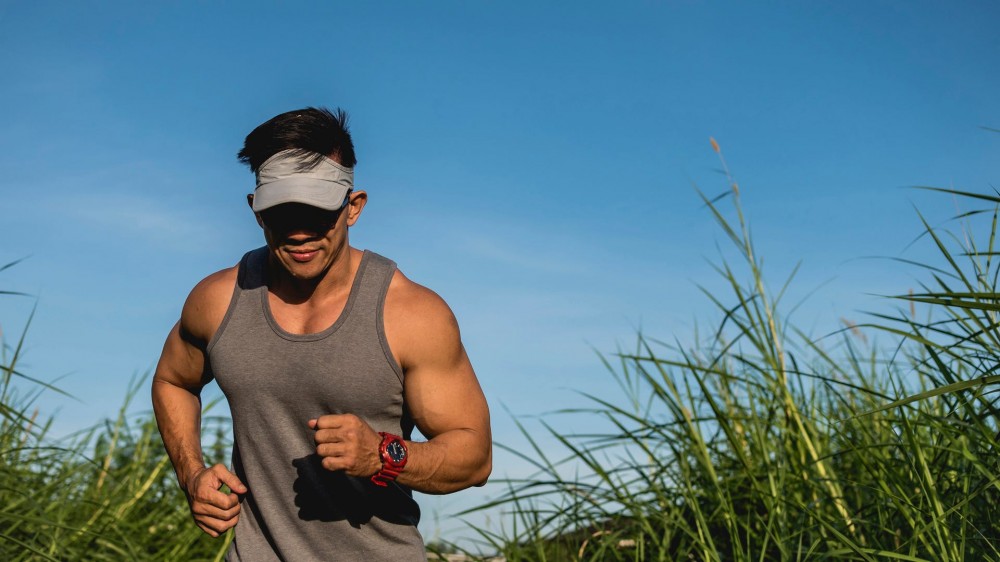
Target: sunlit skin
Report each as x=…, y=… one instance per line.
x=310, y=273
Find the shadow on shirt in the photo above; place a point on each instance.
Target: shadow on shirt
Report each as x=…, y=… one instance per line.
x=323, y=495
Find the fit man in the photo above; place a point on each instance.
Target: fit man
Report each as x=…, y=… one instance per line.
x=328, y=356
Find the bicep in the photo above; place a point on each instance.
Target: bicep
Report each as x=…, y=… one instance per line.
x=446, y=396
x=442, y=391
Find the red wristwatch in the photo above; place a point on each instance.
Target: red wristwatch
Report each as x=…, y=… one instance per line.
x=393, y=452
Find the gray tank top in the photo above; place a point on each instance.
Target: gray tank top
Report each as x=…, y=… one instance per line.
x=276, y=382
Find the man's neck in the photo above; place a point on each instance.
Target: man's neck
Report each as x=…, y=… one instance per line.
x=337, y=279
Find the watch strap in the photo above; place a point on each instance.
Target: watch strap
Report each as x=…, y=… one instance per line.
x=390, y=470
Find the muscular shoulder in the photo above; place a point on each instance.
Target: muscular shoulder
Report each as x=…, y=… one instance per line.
x=206, y=305
x=418, y=321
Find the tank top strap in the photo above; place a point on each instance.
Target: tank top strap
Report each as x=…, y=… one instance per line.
x=369, y=307
x=377, y=273
x=251, y=272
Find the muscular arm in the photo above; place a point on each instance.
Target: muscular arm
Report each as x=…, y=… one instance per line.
x=441, y=392
x=177, y=383
x=176, y=391
x=444, y=398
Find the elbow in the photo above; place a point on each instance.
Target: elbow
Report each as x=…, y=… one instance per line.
x=155, y=391
x=474, y=474
x=484, y=470
x=475, y=477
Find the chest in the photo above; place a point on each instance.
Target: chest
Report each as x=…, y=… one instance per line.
x=337, y=365
x=304, y=319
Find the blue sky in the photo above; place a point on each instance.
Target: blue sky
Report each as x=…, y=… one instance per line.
x=533, y=163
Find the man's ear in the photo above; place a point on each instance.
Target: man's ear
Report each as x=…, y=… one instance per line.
x=256, y=215
x=355, y=205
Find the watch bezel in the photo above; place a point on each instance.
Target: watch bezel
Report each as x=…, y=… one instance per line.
x=396, y=451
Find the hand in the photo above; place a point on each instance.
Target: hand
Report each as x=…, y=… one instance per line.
x=214, y=511
x=347, y=443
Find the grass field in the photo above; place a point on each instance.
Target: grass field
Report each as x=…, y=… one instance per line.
x=106, y=493
x=757, y=443
x=763, y=443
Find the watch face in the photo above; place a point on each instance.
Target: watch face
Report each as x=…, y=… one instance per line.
x=396, y=451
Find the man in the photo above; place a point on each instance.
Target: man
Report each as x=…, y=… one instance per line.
x=328, y=356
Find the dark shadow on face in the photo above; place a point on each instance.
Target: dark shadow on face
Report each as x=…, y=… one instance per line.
x=289, y=217
x=323, y=495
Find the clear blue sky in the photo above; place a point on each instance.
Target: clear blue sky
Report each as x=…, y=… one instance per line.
x=531, y=162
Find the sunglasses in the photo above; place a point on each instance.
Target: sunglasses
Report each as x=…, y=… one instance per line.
x=298, y=216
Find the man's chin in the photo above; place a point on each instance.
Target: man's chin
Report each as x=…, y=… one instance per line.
x=304, y=273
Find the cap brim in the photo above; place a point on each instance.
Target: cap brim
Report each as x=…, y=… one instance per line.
x=308, y=191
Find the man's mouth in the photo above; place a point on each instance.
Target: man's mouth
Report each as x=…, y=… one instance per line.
x=302, y=255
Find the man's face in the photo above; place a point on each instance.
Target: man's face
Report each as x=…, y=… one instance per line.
x=304, y=239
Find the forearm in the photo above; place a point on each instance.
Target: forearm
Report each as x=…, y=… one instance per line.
x=178, y=416
x=451, y=461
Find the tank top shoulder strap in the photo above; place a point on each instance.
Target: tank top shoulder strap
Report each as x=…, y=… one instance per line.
x=374, y=284
x=251, y=272
x=249, y=276
x=368, y=313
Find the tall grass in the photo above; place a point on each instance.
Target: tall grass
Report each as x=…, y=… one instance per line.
x=107, y=493
x=760, y=442
x=757, y=442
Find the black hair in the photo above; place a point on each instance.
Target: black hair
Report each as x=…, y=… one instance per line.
x=311, y=130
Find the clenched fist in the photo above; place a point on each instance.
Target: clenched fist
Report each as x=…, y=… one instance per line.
x=214, y=511
x=347, y=443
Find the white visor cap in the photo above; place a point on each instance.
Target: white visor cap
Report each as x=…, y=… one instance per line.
x=284, y=178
